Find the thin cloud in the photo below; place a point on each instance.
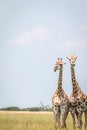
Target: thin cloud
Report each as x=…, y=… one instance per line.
x=36, y=34
x=72, y=45
x=22, y=39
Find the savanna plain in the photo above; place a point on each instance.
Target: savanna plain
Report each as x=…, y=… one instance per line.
x=30, y=121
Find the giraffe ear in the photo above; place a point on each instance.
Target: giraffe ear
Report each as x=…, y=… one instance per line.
x=76, y=57
x=64, y=63
x=68, y=58
x=61, y=58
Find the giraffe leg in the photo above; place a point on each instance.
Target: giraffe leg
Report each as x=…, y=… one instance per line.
x=85, y=120
x=64, y=113
x=55, y=125
x=57, y=114
x=73, y=117
x=58, y=117
x=79, y=120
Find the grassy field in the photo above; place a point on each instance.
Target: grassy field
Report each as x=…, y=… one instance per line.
x=29, y=121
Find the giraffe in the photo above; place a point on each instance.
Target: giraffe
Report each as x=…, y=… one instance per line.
x=78, y=100
x=60, y=100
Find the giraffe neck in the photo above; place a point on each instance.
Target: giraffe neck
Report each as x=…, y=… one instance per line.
x=60, y=89
x=74, y=81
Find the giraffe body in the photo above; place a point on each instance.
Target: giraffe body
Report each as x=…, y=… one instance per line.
x=60, y=100
x=78, y=100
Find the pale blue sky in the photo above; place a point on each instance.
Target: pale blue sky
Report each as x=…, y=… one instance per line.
x=33, y=34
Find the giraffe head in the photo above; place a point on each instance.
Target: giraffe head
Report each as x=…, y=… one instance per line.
x=58, y=63
x=72, y=58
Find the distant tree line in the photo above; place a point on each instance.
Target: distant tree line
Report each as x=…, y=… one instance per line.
x=40, y=108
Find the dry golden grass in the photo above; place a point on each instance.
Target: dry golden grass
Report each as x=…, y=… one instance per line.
x=10, y=120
